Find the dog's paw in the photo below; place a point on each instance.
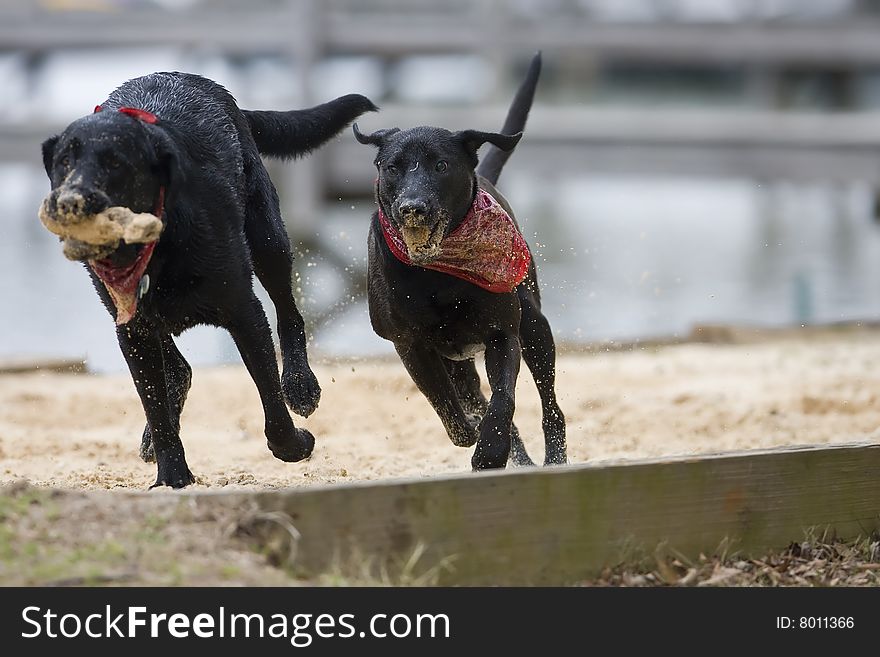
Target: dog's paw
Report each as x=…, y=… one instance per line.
x=555, y=457
x=301, y=389
x=173, y=472
x=297, y=448
x=485, y=461
x=466, y=436
x=489, y=456
x=518, y=454
x=146, y=452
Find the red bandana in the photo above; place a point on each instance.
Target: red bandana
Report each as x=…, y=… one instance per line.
x=122, y=283
x=486, y=249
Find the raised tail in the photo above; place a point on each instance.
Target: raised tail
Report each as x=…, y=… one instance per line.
x=494, y=160
x=298, y=132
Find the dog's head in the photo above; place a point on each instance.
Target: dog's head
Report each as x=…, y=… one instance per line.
x=104, y=160
x=427, y=182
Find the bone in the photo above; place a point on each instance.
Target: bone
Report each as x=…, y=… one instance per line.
x=105, y=228
x=76, y=250
x=416, y=238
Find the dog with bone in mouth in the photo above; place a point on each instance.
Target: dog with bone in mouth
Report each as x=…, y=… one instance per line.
x=450, y=275
x=161, y=192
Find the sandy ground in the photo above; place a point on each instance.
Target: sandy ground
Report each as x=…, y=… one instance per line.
x=82, y=431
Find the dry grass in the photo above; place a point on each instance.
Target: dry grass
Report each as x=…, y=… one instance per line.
x=818, y=560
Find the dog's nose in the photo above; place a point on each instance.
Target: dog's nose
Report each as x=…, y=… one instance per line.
x=413, y=207
x=74, y=201
x=70, y=201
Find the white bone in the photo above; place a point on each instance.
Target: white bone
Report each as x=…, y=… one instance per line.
x=105, y=228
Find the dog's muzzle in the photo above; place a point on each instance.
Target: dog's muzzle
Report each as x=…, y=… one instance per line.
x=422, y=232
x=91, y=236
x=94, y=237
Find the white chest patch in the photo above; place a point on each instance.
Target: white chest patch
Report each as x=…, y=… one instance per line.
x=467, y=352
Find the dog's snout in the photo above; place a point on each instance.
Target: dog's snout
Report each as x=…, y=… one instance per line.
x=409, y=207
x=70, y=201
x=76, y=201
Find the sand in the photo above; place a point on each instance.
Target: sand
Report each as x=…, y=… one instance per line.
x=82, y=431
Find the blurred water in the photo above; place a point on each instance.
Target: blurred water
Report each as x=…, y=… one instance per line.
x=618, y=258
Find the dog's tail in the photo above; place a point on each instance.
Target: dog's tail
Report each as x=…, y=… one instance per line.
x=298, y=132
x=491, y=165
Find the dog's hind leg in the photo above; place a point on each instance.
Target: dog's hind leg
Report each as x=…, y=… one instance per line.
x=466, y=380
x=539, y=353
x=143, y=351
x=427, y=370
x=273, y=264
x=178, y=377
x=251, y=333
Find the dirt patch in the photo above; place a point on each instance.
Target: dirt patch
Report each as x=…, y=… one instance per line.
x=80, y=433
x=83, y=431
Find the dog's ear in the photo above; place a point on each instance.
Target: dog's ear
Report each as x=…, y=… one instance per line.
x=170, y=171
x=473, y=139
x=49, y=153
x=167, y=165
x=374, y=139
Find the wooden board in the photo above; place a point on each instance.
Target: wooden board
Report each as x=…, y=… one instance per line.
x=22, y=365
x=558, y=525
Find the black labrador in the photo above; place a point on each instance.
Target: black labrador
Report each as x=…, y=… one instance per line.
x=450, y=275
x=177, y=145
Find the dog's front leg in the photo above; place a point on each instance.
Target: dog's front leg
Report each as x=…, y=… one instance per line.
x=425, y=366
x=178, y=377
x=252, y=336
x=142, y=348
x=502, y=368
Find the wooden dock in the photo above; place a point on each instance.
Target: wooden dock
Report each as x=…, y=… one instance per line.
x=404, y=28
x=760, y=143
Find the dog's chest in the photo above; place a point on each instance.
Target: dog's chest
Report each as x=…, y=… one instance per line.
x=454, y=336
x=455, y=326
x=179, y=302
x=456, y=351
x=414, y=305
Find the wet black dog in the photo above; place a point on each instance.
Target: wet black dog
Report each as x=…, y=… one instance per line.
x=176, y=145
x=450, y=275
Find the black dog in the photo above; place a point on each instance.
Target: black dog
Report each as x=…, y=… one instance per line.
x=176, y=145
x=450, y=275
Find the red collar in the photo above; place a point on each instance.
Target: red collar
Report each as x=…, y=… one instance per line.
x=486, y=249
x=142, y=115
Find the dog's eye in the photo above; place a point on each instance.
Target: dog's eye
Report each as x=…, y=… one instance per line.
x=441, y=166
x=64, y=161
x=390, y=168
x=111, y=162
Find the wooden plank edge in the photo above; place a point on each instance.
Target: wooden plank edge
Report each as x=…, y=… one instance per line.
x=561, y=525
x=26, y=365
